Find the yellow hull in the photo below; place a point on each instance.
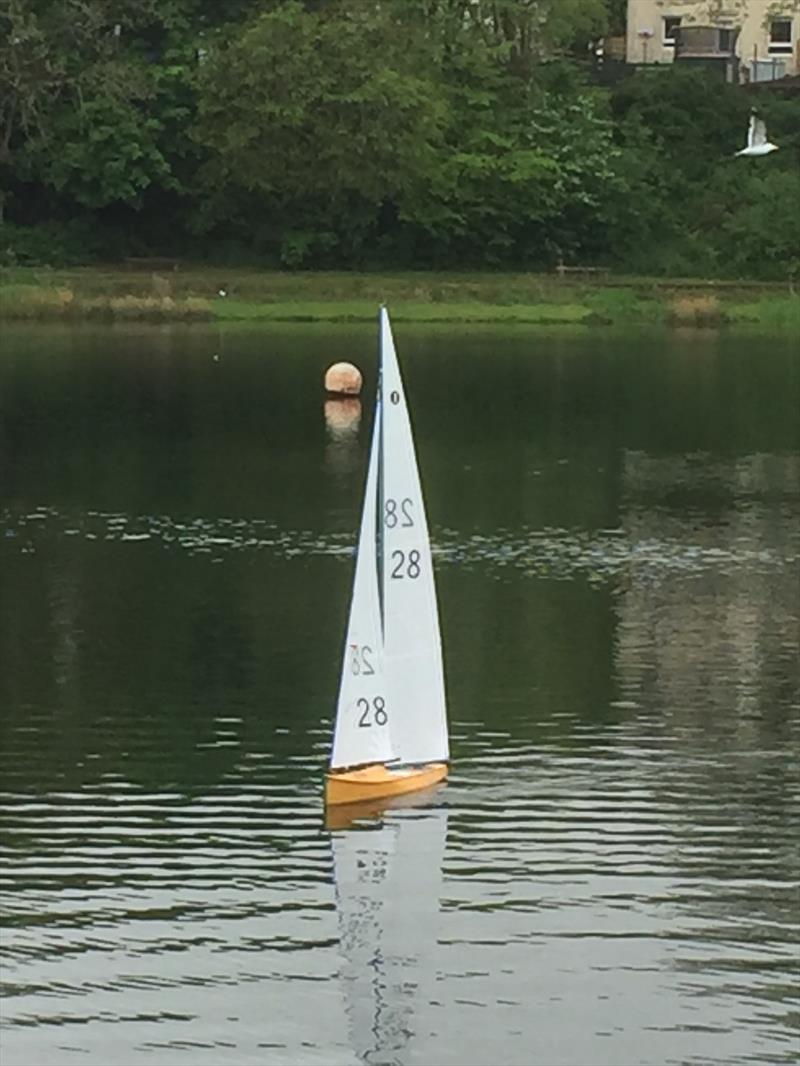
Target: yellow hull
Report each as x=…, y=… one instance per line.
x=345, y=815
x=379, y=782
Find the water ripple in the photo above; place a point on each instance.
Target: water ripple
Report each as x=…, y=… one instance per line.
x=557, y=553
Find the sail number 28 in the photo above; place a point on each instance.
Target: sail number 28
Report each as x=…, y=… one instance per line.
x=405, y=565
x=361, y=660
x=372, y=713
x=398, y=513
x=394, y=515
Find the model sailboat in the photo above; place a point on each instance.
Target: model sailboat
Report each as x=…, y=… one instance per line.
x=390, y=735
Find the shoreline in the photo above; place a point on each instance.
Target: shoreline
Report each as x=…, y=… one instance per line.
x=209, y=294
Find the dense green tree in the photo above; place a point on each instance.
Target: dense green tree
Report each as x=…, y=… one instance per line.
x=535, y=28
x=77, y=84
x=532, y=29
x=714, y=213
x=324, y=119
x=530, y=179
x=408, y=117
x=95, y=94
x=413, y=132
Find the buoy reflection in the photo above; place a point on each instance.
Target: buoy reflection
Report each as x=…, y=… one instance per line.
x=343, y=417
x=342, y=421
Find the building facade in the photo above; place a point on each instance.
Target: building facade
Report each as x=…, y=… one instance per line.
x=764, y=35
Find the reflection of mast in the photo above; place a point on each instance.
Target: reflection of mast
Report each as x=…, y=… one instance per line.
x=388, y=879
x=65, y=611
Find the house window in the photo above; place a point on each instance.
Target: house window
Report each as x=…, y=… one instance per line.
x=780, y=37
x=671, y=25
x=726, y=40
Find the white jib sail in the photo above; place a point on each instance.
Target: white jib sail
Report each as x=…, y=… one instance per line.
x=362, y=733
x=412, y=648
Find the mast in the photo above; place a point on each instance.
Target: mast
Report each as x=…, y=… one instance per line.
x=379, y=535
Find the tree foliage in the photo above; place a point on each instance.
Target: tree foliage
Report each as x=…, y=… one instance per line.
x=404, y=132
x=324, y=118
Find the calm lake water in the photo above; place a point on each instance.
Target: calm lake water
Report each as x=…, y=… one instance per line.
x=611, y=874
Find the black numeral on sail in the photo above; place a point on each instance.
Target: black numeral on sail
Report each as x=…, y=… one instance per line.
x=405, y=566
x=372, y=714
x=360, y=660
x=392, y=515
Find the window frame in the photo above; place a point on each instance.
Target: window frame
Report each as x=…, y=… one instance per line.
x=780, y=47
x=676, y=20
x=728, y=38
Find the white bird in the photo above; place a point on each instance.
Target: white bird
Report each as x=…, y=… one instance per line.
x=757, y=143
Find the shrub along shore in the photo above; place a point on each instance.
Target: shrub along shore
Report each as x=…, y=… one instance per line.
x=206, y=294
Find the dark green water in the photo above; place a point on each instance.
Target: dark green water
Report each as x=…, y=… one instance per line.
x=610, y=876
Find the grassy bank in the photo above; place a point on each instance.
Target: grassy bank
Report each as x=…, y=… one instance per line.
x=158, y=291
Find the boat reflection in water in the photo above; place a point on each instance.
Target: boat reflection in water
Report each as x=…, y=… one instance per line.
x=388, y=877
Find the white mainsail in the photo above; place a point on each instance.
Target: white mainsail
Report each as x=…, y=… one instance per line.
x=412, y=649
x=362, y=733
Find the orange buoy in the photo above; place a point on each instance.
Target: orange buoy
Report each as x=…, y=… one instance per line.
x=343, y=379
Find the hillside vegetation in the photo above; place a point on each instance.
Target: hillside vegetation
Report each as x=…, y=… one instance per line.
x=405, y=134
